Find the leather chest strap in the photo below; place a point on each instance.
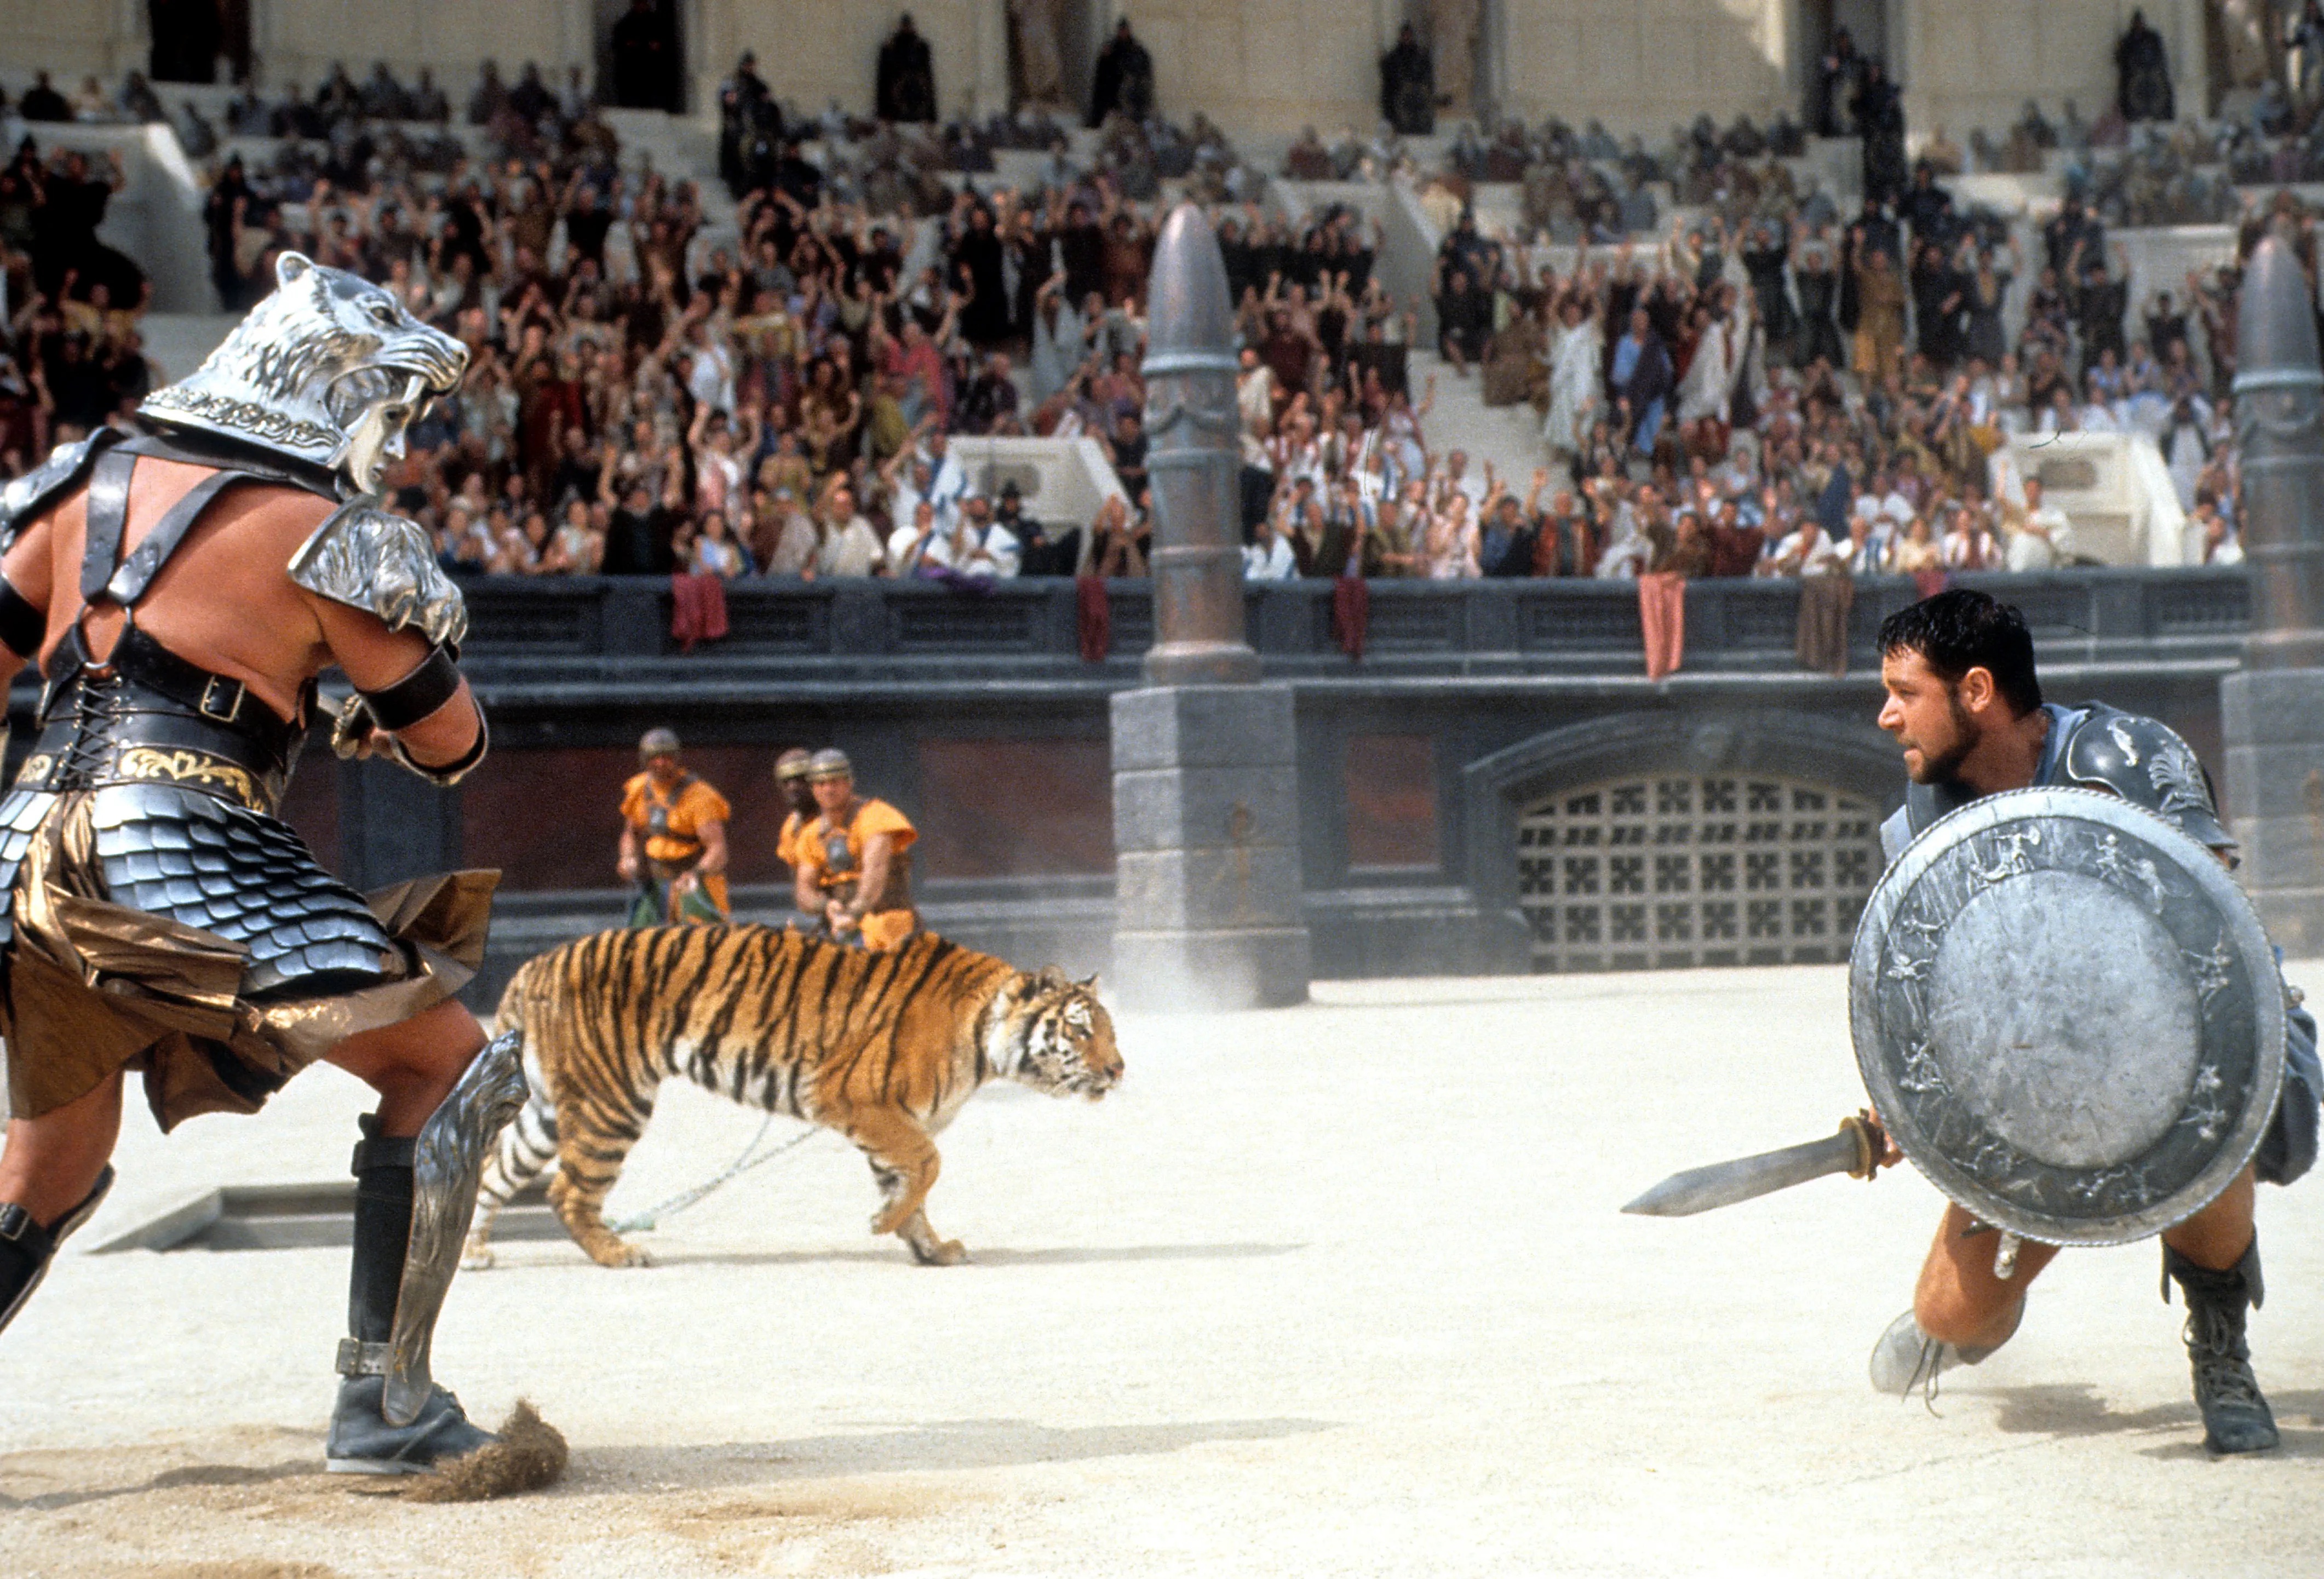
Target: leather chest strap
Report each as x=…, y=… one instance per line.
x=128, y=584
x=206, y=449
x=107, y=516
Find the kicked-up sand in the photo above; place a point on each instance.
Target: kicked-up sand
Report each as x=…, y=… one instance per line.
x=1341, y=1289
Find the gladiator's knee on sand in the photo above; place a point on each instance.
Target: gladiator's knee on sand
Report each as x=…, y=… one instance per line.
x=1951, y=1314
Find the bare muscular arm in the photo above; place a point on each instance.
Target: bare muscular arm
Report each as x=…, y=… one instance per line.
x=26, y=568
x=712, y=860
x=226, y=601
x=374, y=658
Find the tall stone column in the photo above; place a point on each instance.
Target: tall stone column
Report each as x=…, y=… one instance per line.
x=2272, y=713
x=1205, y=776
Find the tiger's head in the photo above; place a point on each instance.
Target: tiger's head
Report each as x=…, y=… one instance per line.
x=1057, y=1037
x=329, y=369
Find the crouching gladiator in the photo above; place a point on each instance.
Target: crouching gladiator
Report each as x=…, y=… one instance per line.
x=2068, y=1015
x=182, y=589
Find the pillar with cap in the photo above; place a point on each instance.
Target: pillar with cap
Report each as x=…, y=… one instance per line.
x=2271, y=712
x=1205, y=776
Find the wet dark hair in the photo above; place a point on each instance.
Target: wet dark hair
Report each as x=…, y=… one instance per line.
x=1960, y=629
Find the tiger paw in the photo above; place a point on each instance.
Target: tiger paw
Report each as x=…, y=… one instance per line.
x=617, y=1253
x=942, y=1252
x=475, y=1255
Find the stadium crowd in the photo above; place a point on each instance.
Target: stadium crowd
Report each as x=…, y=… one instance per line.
x=1766, y=387
x=1789, y=398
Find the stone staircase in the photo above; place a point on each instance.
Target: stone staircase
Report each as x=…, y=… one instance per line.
x=176, y=342
x=679, y=149
x=1507, y=437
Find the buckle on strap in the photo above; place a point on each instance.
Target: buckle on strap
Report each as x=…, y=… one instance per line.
x=17, y=1226
x=222, y=698
x=357, y=1358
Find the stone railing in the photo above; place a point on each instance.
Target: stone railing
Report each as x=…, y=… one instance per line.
x=604, y=628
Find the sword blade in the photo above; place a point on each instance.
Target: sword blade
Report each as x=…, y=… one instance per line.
x=1722, y=1184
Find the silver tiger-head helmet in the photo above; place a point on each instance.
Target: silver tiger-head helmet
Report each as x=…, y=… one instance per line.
x=329, y=369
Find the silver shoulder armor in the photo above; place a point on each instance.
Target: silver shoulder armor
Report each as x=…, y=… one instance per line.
x=37, y=489
x=2144, y=762
x=370, y=559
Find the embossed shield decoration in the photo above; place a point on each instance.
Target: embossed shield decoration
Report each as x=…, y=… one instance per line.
x=2068, y=1015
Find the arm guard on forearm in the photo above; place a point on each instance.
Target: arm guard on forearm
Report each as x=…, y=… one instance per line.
x=359, y=717
x=451, y=772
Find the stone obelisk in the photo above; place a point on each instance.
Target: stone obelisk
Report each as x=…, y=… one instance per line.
x=1205, y=777
x=2272, y=713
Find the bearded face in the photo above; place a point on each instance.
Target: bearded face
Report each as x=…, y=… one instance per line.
x=1924, y=714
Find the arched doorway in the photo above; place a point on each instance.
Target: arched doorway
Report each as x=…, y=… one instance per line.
x=1660, y=840
x=1674, y=870
x=1817, y=24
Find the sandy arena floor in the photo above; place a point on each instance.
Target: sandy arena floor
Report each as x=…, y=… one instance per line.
x=1341, y=1289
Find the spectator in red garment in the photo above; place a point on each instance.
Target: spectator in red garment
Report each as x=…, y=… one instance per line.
x=1564, y=543
x=916, y=360
x=1288, y=352
x=1734, y=548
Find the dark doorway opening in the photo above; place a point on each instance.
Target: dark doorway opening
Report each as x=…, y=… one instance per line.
x=1824, y=104
x=641, y=55
x=190, y=38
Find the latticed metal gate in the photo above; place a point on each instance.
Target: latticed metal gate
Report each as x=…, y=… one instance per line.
x=1671, y=871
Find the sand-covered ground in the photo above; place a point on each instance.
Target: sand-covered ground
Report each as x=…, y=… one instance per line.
x=1339, y=1289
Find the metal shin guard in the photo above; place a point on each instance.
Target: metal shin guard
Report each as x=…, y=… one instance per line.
x=446, y=1161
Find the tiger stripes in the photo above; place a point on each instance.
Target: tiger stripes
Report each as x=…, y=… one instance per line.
x=882, y=1048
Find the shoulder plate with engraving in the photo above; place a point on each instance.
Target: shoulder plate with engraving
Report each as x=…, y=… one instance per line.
x=2145, y=763
x=2067, y=1016
x=50, y=481
x=368, y=558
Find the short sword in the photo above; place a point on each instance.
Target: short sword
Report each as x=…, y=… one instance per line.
x=1856, y=1150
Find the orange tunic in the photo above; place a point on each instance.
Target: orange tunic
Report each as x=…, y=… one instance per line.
x=834, y=857
x=669, y=824
x=785, y=839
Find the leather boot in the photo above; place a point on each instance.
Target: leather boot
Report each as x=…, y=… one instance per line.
x=26, y=1247
x=361, y=1442
x=2235, y=1416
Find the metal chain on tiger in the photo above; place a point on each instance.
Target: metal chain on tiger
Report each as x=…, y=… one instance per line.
x=883, y=1048
x=645, y=1221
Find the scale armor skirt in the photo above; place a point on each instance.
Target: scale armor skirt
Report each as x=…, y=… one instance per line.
x=166, y=929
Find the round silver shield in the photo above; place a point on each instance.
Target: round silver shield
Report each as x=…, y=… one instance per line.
x=2068, y=1015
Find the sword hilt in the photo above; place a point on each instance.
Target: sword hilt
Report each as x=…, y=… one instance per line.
x=1871, y=1142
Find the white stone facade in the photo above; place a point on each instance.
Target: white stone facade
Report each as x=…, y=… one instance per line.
x=1261, y=66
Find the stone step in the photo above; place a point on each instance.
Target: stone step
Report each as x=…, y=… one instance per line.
x=1507, y=437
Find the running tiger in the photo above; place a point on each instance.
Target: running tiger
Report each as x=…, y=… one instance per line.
x=882, y=1048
